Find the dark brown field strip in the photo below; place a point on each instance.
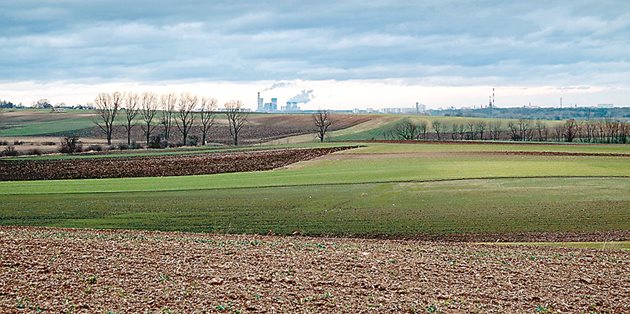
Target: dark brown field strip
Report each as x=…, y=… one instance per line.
x=156, y=166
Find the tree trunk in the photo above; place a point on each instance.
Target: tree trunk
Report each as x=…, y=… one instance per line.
x=129, y=134
x=148, y=133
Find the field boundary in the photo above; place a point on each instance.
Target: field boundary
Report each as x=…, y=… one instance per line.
x=479, y=238
x=322, y=184
x=473, y=142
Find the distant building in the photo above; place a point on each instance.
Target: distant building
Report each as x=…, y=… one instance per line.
x=291, y=106
x=417, y=109
x=259, y=103
x=267, y=107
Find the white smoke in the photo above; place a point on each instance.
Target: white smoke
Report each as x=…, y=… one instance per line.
x=277, y=85
x=303, y=97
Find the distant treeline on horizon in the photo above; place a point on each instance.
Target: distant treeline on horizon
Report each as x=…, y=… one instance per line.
x=545, y=113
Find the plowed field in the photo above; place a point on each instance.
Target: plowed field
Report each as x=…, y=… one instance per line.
x=83, y=271
x=156, y=166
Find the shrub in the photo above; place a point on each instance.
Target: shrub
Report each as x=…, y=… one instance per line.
x=156, y=142
x=193, y=140
x=71, y=144
x=49, y=143
x=10, y=151
x=4, y=143
x=34, y=151
x=123, y=146
x=135, y=145
x=95, y=148
x=18, y=142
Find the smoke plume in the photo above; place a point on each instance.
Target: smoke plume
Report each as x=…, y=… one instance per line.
x=303, y=97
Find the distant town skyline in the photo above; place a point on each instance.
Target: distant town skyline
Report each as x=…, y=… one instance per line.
x=351, y=54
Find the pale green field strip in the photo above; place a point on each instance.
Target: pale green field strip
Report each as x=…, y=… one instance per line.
x=424, y=147
x=339, y=169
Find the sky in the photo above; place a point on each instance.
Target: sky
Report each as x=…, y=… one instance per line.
x=342, y=54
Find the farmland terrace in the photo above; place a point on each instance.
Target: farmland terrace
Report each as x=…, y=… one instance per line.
x=554, y=219
x=422, y=191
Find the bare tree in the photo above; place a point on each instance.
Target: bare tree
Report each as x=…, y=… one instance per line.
x=624, y=132
x=407, y=129
x=454, y=131
x=168, y=102
x=437, y=125
x=107, y=106
x=423, y=126
x=570, y=130
x=480, y=128
x=131, y=101
x=148, y=113
x=462, y=131
x=525, y=131
x=514, y=131
x=185, y=114
x=237, y=118
x=322, y=122
x=471, y=130
x=206, y=115
x=541, y=130
x=495, y=130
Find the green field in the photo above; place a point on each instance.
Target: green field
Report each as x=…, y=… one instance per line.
x=33, y=122
x=381, y=189
x=378, y=131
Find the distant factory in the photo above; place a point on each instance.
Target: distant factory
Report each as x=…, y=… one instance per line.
x=417, y=109
x=267, y=107
x=292, y=105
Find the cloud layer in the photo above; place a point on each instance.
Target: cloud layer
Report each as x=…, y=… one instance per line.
x=432, y=43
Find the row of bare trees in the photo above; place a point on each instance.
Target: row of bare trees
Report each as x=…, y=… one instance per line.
x=171, y=111
x=590, y=131
x=594, y=131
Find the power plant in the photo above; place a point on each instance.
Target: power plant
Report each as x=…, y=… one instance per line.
x=292, y=105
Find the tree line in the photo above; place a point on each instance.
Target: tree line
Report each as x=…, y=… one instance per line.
x=545, y=113
x=175, y=113
x=586, y=131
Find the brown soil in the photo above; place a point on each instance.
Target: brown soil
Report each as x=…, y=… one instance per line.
x=84, y=271
x=156, y=166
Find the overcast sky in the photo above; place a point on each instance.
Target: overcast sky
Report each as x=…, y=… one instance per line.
x=350, y=53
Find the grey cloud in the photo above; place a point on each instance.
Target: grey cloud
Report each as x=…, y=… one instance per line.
x=450, y=42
